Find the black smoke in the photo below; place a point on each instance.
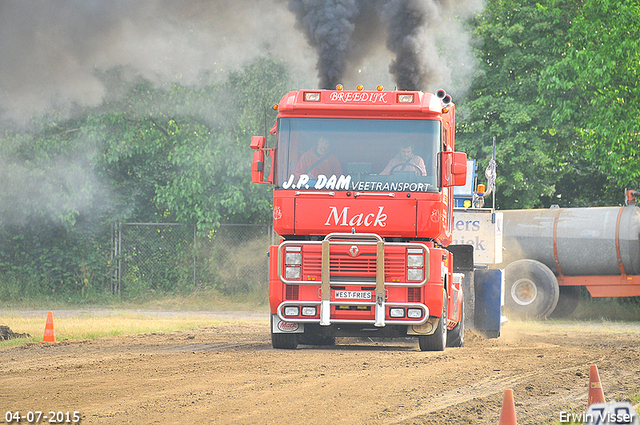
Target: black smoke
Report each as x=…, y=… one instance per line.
x=416, y=60
x=328, y=26
x=417, y=33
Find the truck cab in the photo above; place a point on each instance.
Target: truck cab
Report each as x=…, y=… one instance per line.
x=362, y=201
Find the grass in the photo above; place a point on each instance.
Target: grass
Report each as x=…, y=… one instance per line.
x=89, y=325
x=622, y=309
x=204, y=300
x=118, y=317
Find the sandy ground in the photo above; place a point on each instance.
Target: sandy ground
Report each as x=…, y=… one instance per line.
x=230, y=374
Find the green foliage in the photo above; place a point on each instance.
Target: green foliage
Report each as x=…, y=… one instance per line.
x=594, y=87
x=46, y=259
x=561, y=139
x=518, y=41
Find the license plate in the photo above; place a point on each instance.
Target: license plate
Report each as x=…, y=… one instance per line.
x=353, y=295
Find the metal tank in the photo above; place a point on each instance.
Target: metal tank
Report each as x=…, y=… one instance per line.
x=575, y=241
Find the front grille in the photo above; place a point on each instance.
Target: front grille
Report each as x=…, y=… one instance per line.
x=292, y=292
x=413, y=295
x=343, y=264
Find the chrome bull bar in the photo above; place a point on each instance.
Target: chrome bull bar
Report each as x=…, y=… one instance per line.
x=380, y=284
x=425, y=313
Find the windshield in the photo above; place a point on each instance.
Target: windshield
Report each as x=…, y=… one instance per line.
x=357, y=154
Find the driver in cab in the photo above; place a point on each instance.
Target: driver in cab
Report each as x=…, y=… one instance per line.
x=405, y=160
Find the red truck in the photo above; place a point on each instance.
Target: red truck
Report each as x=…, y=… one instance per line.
x=362, y=201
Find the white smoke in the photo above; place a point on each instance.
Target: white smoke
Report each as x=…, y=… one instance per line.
x=51, y=50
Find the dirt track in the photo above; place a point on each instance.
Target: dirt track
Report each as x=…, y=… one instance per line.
x=230, y=374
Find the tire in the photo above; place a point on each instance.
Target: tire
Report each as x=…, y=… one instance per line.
x=437, y=341
x=285, y=341
x=531, y=289
x=455, y=337
x=315, y=339
x=567, y=302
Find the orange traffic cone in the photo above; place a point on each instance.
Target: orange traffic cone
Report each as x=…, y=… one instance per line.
x=49, y=333
x=508, y=412
x=596, y=395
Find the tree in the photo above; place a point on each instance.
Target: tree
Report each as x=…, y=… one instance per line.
x=210, y=180
x=540, y=159
x=595, y=89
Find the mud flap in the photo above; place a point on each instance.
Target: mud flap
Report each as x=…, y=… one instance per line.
x=279, y=326
x=463, y=262
x=488, y=297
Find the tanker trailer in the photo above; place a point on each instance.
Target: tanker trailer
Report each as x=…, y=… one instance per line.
x=549, y=254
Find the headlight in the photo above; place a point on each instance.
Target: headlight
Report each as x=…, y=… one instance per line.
x=396, y=312
x=415, y=260
x=293, y=258
x=414, y=313
x=291, y=310
x=415, y=275
x=292, y=272
x=308, y=311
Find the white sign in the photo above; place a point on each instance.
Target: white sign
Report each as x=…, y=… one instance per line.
x=360, y=295
x=613, y=413
x=355, y=97
x=478, y=227
x=279, y=326
x=306, y=181
x=342, y=219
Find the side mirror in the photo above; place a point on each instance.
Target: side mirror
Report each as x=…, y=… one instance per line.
x=459, y=168
x=257, y=168
x=257, y=142
x=454, y=165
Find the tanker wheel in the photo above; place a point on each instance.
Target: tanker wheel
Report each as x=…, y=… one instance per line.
x=567, y=302
x=437, y=341
x=531, y=289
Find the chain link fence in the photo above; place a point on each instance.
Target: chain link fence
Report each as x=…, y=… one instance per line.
x=233, y=260
x=168, y=257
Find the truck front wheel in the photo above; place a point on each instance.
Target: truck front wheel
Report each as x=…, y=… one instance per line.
x=316, y=339
x=284, y=340
x=437, y=341
x=531, y=289
x=455, y=337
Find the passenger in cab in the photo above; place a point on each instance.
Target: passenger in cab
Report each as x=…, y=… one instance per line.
x=320, y=160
